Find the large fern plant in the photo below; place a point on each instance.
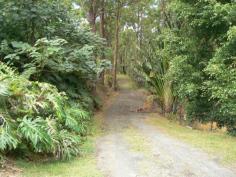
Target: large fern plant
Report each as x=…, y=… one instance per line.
x=35, y=115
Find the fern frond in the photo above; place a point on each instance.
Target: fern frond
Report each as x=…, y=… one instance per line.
x=68, y=145
x=8, y=139
x=35, y=131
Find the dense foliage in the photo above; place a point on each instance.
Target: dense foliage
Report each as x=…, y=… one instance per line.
x=37, y=118
x=48, y=71
x=185, y=51
x=51, y=61
x=206, y=38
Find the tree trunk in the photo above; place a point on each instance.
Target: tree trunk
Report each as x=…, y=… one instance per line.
x=116, y=50
x=212, y=124
x=102, y=18
x=140, y=29
x=102, y=31
x=33, y=27
x=32, y=34
x=92, y=16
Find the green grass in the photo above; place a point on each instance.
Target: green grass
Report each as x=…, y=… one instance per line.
x=84, y=166
x=125, y=82
x=137, y=141
x=216, y=143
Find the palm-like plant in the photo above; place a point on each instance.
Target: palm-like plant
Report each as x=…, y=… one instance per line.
x=155, y=68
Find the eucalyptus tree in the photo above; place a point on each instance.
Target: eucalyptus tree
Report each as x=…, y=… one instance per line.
x=120, y=6
x=92, y=9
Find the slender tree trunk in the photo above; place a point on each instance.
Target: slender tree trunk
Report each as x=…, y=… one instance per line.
x=92, y=16
x=32, y=34
x=212, y=124
x=122, y=63
x=102, y=18
x=32, y=25
x=116, y=49
x=102, y=31
x=141, y=31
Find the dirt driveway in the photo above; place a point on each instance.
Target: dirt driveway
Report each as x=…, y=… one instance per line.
x=156, y=154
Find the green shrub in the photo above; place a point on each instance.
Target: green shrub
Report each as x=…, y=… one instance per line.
x=221, y=85
x=38, y=117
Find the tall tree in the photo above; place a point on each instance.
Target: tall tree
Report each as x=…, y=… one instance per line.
x=102, y=19
x=91, y=9
x=116, y=47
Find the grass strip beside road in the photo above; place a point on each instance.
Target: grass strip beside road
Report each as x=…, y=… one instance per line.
x=218, y=144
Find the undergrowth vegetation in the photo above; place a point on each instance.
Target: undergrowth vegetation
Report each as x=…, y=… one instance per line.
x=184, y=53
x=83, y=166
x=36, y=117
x=49, y=68
x=53, y=57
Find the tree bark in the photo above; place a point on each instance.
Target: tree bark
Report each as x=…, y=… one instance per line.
x=92, y=15
x=33, y=27
x=116, y=49
x=102, y=18
x=102, y=32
